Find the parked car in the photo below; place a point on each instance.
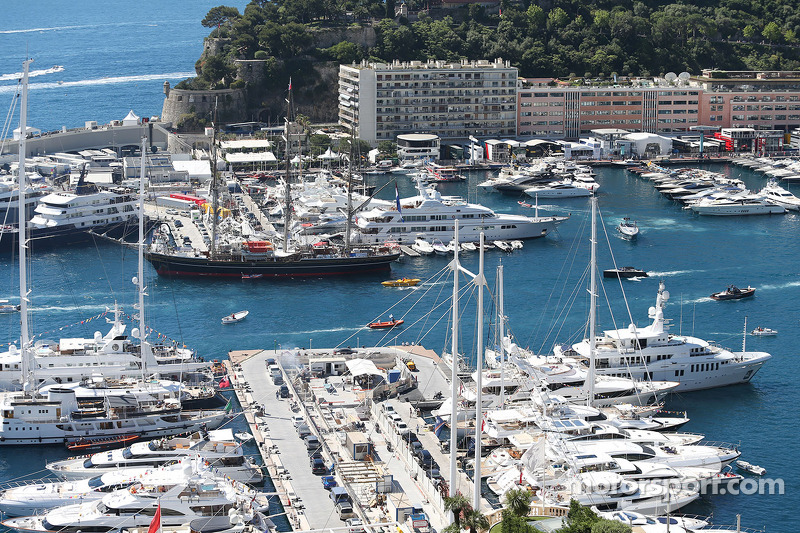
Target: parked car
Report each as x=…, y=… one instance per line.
x=355, y=525
x=284, y=391
x=345, y=510
x=312, y=443
x=328, y=482
x=297, y=419
x=318, y=466
x=303, y=430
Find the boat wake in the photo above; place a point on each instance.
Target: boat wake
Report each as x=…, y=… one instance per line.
x=100, y=81
x=672, y=273
x=93, y=308
x=32, y=74
x=770, y=287
x=38, y=30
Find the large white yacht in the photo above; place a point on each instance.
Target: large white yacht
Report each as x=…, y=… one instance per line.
x=737, y=206
x=219, y=448
x=652, y=352
x=432, y=214
x=181, y=498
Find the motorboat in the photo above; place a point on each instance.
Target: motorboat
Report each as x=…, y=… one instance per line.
x=734, y=293
x=386, y=324
x=652, y=352
x=422, y=246
x=624, y=272
x=198, y=493
x=468, y=246
x=759, y=331
x=502, y=245
x=751, y=468
x=777, y=194
x=252, y=276
x=441, y=248
x=6, y=307
x=404, y=222
x=235, y=317
x=244, y=436
x=558, y=189
x=401, y=282
x=628, y=228
x=741, y=205
x=516, y=245
x=220, y=449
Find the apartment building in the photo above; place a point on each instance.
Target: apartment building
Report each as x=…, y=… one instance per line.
x=452, y=100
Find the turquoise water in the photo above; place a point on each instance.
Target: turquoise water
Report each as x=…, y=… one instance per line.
x=116, y=57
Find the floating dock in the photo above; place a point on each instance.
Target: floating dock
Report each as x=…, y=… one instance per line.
x=360, y=435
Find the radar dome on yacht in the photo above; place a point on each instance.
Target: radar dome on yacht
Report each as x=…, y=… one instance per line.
x=665, y=295
x=98, y=336
x=632, y=327
x=651, y=312
x=135, y=333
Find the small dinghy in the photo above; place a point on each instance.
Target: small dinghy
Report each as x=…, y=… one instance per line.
x=753, y=469
x=402, y=282
x=243, y=436
x=235, y=317
x=628, y=228
x=503, y=245
x=468, y=247
x=386, y=324
x=516, y=245
x=764, y=331
x=6, y=307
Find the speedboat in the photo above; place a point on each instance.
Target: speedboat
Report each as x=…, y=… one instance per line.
x=386, y=324
x=734, y=293
x=624, y=272
x=468, y=247
x=402, y=282
x=777, y=194
x=235, y=317
x=558, y=189
x=503, y=245
x=421, y=246
x=763, y=331
x=751, y=468
x=6, y=307
x=628, y=228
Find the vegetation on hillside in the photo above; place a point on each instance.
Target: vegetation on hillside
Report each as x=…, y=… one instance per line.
x=554, y=38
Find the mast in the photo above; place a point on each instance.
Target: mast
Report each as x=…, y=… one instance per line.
x=214, y=191
x=592, y=303
x=454, y=374
x=287, y=210
x=476, y=493
x=28, y=366
x=139, y=279
x=349, y=224
x=501, y=333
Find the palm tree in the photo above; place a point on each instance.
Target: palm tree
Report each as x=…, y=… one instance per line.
x=518, y=501
x=475, y=520
x=458, y=504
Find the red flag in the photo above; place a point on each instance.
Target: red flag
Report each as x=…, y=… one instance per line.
x=290, y=84
x=224, y=383
x=155, y=523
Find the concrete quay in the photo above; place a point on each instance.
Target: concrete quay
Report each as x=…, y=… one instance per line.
x=357, y=437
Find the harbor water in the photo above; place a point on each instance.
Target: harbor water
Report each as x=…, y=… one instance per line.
x=116, y=56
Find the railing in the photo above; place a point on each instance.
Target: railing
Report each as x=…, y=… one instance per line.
x=25, y=482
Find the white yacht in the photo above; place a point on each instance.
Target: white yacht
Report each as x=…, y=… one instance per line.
x=558, y=189
x=652, y=352
x=777, y=194
x=181, y=498
x=220, y=449
x=114, y=355
x=67, y=216
x=737, y=206
x=432, y=214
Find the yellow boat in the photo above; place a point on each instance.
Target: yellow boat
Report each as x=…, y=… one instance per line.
x=402, y=282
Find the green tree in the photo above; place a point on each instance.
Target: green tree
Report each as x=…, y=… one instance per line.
x=518, y=501
x=579, y=519
x=535, y=16
x=475, y=521
x=214, y=70
x=387, y=147
x=345, y=52
x=220, y=15
x=772, y=32
x=512, y=523
x=458, y=504
x=610, y=526
x=749, y=31
x=390, y=9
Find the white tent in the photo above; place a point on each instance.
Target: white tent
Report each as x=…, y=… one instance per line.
x=360, y=367
x=329, y=154
x=131, y=119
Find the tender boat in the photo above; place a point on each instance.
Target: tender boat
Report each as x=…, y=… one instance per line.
x=235, y=317
x=6, y=307
x=387, y=324
x=252, y=276
x=734, y=293
x=753, y=469
x=421, y=246
x=402, y=282
x=503, y=245
x=84, y=444
x=468, y=247
x=628, y=228
x=764, y=331
x=244, y=436
x=624, y=272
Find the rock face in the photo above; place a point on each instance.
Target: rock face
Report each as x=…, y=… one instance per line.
x=231, y=104
x=327, y=37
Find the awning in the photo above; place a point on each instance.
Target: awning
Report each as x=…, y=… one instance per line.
x=253, y=157
x=360, y=367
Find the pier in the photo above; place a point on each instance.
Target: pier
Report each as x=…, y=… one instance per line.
x=360, y=443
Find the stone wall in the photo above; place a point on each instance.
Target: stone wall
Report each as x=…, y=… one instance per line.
x=231, y=104
x=325, y=38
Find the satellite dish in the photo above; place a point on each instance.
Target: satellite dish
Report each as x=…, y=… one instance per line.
x=683, y=76
x=670, y=77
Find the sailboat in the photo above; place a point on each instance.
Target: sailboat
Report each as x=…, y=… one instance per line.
x=262, y=258
x=57, y=415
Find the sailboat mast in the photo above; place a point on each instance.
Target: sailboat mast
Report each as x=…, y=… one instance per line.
x=287, y=210
x=454, y=374
x=28, y=367
x=214, y=190
x=140, y=272
x=501, y=319
x=592, y=304
x=476, y=493
x=349, y=223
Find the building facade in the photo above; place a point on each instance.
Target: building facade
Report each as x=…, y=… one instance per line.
x=452, y=100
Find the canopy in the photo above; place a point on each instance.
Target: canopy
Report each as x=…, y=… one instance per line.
x=245, y=143
x=360, y=367
x=329, y=154
x=252, y=157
